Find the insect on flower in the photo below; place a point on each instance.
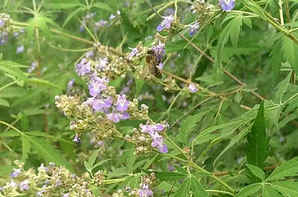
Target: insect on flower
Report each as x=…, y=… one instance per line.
x=153, y=61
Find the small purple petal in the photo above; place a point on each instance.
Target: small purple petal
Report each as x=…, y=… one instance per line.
x=122, y=103
x=227, y=5
x=115, y=117
x=192, y=88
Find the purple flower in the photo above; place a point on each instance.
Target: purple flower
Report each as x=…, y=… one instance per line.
x=115, y=117
x=2, y=23
x=66, y=195
x=32, y=67
x=159, y=51
x=96, y=85
x=157, y=142
x=122, y=103
x=70, y=85
x=24, y=185
x=166, y=23
x=15, y=173
x=112, y=16
x=227, y=5
x=192, y=88
x=89, y=54
x=194, y=28
x=100, y=24
x=102, y=105
x=20, y=49
x=144, y=191
x=160, y=66
x=124, y=90
x=147, y=129
x=133, y=53
x=125, y=116
x=84, y=67
x=76, y=139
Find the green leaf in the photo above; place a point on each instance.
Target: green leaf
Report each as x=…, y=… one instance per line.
x=233, y=141
x=183, y=189
x=72, y=14
x=139, y=86
x=4, y=103
x=289, y=49
x=103, y=6
x=282, y=87
x=259, y=173
x=249, y=190
x=47, y=151
x=196, y=188
x=287, y=188
x=288, y=168
x=172, y=176
x=37, y=81
x=257, y=141
x=93, y=157
x=187, y=126
x=65, y=4
x=12, y=69
x=9, y=133
x=26, y=147
x=268, y=191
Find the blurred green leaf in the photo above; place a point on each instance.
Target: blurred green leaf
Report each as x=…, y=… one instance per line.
x=257, y=141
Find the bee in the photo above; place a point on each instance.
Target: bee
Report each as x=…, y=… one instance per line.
x=153, y=62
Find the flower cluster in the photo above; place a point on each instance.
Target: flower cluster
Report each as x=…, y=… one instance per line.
x=46, y=182
x=154, y=131
x=166, y=23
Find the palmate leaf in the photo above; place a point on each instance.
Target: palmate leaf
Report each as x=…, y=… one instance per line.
x=249, y=190
x=187, y=126
x=191, y=187
x=257, y=141
x=12, y=68
x=232, y=32
x=269, y=191
x=289, y=50
x=287, y=188
x=257, y=172
x=288, y=168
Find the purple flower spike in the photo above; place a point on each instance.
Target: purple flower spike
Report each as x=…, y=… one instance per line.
x=84, y=67
x=122, y=103
x=166, y=23
x=96, y=85
x=227, y=5
x=144, y=191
